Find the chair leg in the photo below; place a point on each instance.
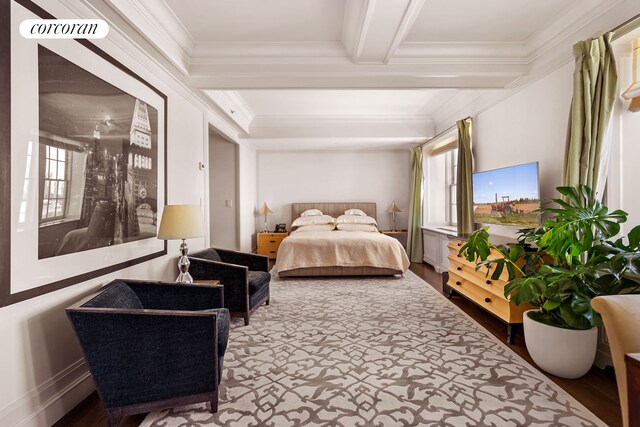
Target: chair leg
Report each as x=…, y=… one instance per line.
x=113, y=419
x=246, y=319
x=214, y=403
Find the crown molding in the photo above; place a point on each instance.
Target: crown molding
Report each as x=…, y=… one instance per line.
x=310, y=144
x=497, y=52
x=156, y=22
x=234, y=107
x=264, y=121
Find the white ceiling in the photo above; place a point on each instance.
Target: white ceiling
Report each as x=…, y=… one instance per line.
x=260, y=21
x=345, y=73
x=484, y=21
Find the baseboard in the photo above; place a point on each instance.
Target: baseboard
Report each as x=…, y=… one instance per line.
x=47, y=403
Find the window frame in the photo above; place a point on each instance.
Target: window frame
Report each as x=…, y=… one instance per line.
x=46, y=198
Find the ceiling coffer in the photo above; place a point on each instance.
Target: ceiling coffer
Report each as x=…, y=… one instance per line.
x=633, y=91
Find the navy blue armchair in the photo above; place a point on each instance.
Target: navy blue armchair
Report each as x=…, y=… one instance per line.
x=150, y=345
x=245, y=277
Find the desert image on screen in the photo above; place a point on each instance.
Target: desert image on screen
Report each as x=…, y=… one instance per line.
x=507, y=196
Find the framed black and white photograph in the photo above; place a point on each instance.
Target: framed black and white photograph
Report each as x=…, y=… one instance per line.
x=83, y=143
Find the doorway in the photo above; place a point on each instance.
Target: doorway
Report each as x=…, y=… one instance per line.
x=223, y=192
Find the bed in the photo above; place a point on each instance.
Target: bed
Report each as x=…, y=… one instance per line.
x=339, y=253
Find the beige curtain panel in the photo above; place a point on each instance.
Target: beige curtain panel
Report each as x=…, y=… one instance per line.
x=595, y=79
x=464, y=190
x=414, y=232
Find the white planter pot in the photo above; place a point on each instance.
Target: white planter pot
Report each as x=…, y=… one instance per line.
x=566, y=353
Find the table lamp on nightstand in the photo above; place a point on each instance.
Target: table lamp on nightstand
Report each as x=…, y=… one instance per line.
x=181, y=222
x=264, y=210
x=393, y=210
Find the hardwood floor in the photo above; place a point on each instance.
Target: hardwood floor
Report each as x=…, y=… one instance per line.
x=597, y=390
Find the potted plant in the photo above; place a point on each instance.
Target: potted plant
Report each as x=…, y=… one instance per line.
x=559, y=267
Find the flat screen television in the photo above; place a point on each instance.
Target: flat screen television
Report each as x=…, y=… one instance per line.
x=507, y=196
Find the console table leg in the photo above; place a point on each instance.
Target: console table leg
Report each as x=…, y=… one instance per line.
x=446, y=289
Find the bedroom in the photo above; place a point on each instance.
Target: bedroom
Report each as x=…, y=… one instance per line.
x=310, y=104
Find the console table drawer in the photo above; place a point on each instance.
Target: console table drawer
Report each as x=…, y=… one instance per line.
x=484, y=298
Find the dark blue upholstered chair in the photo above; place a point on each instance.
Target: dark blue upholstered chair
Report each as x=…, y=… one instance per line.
x=245, y=277
x=149, y=346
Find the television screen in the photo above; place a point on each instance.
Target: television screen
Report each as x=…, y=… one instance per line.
x=507, y=196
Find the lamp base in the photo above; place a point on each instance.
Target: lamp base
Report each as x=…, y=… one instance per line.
x=184, y=278
x=183, y=264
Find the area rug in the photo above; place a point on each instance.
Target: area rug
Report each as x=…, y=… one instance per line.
x=373, y=352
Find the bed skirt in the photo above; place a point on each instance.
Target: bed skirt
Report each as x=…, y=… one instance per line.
x=339, y=271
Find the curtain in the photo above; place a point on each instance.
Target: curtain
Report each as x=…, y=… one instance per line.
x=414, y=232
x=586, y=159
x=464, y=189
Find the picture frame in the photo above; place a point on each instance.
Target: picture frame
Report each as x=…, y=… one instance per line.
x=103, y=159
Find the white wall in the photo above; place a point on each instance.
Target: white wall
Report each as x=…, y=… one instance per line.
x=528, y=126
x=42, y=372
x=333, y=176
x=248, y=195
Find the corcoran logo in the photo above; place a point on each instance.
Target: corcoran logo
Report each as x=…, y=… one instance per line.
x=64, y=29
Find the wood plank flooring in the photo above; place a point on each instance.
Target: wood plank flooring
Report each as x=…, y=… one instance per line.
x=596, y=390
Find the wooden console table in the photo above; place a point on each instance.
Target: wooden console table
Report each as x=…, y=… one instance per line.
x=481, y=289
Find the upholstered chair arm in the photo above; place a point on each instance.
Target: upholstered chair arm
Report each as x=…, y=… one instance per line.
x=234, y=278
x=168, y=353
x=177, y=296
x=252, y=261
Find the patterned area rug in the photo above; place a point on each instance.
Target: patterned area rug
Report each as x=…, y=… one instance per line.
x=373, y=352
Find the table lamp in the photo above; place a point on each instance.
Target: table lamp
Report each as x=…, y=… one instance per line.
x=393, y=210
x=264, y=210
x=181, y=222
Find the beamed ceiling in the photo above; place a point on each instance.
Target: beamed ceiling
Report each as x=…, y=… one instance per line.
x=313, y=74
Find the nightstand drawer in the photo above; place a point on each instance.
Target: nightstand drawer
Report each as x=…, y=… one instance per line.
x=268, y=243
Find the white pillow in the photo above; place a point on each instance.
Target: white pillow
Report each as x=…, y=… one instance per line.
x=355, y=212
x=318, y=219
x=316, y=227
x=311, y=212
x=356, y=219
x=357, y=227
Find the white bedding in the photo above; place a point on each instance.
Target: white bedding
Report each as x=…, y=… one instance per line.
x=341, y=249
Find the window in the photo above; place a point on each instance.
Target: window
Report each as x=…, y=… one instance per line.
x=54, y=201
x=451, y=162
x=441, y=169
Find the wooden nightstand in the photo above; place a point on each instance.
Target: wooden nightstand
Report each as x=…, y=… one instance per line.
x=268, y=243
x=400, y=235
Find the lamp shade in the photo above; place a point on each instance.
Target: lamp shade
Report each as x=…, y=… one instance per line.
x=181, y=222
x=394, y=208
x=265, y=209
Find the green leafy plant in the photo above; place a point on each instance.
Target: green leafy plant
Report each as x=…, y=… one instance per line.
x=564, y=263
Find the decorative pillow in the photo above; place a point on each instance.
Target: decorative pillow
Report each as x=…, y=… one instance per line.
x=356, y=219
x=357, y=227
x=355, y=212
x=308, y=220
x=311, y=212
x=316, y=227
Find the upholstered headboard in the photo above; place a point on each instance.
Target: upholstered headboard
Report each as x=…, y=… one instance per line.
x=333, y=209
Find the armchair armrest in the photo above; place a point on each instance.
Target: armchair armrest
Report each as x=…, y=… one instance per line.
x=234, y=279
x=177, y=296
x=253, y=261
x=114, y=338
